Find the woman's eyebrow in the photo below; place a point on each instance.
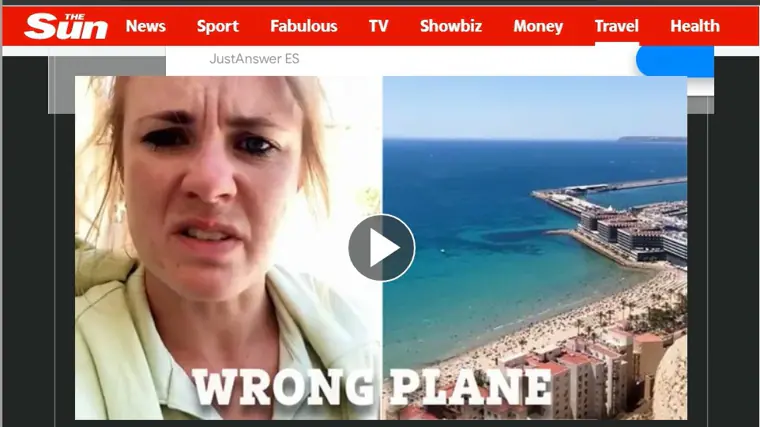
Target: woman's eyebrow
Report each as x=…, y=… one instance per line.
x=244, y=122
x=180, y=117
x=177, y=117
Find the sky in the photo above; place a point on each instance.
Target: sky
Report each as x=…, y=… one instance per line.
x=533, y=107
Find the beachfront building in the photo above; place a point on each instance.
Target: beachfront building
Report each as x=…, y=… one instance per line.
x=587, y=385
x=505, y=411
x=639, y=238
x=643, y=245
x=676, y=248
x=608, y=229
x=648, y=350
x=590, y=220
x=468, y=411
x=621, y=341
x=517, y=361
x=616, y=381
x=547, y=354
x=514, y=361
x=558, y=386
x=617, y=337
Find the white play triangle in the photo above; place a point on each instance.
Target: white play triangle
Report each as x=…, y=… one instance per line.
x=380, y=248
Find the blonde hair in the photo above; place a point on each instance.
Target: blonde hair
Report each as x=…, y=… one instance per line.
x=104, y=181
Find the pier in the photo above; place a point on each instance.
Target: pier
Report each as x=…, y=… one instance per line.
x=641, y=229
x=616, y=186
x=637, y=184
x=559, y=203
x=568, y=199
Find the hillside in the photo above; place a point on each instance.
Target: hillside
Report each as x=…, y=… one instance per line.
x=670, y=384
x=652, y=139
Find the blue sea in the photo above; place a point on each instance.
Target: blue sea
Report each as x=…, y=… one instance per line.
x=484, y=265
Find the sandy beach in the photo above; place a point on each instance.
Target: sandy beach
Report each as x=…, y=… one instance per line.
x=666, y=284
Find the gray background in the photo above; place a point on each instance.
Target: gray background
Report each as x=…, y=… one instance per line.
x=63, y=69
x=701, y=105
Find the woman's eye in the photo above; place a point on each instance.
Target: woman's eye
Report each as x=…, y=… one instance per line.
x=166, y=137
x=254, y=145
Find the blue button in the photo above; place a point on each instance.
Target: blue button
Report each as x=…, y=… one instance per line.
x=690, y=61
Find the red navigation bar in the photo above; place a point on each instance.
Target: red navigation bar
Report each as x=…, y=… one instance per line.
x=378, y=26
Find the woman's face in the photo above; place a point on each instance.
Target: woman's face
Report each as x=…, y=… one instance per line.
x=210, y=164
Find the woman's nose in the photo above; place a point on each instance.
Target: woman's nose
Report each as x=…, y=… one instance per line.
x=210, y=175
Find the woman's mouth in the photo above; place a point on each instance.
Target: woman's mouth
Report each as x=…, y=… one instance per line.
x=208, y=245
x=209, y=240
x=212, y=236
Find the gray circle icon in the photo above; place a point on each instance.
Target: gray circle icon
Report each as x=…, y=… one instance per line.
x=381, y=248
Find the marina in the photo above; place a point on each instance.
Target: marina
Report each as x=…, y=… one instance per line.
x=645, y=236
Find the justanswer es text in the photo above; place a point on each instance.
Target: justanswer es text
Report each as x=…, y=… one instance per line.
x=288, y=58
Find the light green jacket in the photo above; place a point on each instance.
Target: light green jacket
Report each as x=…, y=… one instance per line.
x=112, y=376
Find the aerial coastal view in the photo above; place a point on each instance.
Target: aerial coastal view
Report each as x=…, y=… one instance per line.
x=545, y=238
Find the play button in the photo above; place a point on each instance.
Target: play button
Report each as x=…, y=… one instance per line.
x=381, y=248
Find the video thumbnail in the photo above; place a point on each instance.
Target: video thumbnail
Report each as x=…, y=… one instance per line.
x=550, y=218
x=211, y=282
